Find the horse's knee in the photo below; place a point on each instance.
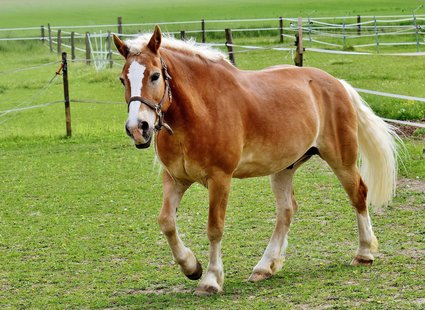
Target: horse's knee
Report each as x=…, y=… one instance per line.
x=215, y=232
x=167, y=224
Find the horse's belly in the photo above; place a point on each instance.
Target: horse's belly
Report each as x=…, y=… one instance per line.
x=254, y=164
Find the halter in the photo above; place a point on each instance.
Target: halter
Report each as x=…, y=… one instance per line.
x=157, y=107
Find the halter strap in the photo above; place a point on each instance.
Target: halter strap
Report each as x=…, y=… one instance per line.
x=157, y=107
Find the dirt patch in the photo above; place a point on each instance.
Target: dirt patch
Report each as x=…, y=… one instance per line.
x=406, y=131
x=415, y=254
x=160, y=290
x=411, y=185
x=419, y=301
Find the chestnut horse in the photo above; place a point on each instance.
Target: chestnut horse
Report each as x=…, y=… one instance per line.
x=212, y=122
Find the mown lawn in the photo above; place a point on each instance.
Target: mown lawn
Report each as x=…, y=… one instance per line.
x=79, y=229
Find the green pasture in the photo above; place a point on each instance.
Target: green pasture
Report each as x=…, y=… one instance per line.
x=78, y=215
x=27, y=13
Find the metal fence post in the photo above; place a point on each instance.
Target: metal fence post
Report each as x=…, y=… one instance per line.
x=358, y=25
x=43, y=36
x=416, y=31
x=204, y=37
x=281, y=29
x=376, y=35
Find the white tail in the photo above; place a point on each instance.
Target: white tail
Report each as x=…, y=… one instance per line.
x=378, y=151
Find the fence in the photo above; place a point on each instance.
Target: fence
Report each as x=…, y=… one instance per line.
x=97, y=48
x=345, y=32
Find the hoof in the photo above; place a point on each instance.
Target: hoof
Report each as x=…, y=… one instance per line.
x=359, y=261
x=207, y=290
x=259, y=276
x=198, y=272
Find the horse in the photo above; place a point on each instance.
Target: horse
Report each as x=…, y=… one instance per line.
x=212, y=122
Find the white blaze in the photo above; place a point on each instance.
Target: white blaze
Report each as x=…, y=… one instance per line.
x=135, y=76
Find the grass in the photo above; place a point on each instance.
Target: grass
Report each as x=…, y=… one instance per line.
x=78, y=216
x=79, y=230
x=77, y=12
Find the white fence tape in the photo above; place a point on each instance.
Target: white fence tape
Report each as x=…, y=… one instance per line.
x=404, y=122
x=373, y=92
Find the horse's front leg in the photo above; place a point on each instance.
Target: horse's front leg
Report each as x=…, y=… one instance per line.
x=218, y=189
x=173, y=193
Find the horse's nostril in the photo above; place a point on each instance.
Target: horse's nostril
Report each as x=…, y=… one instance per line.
x=144, y=126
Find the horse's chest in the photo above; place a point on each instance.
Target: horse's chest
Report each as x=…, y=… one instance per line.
x=180, y=166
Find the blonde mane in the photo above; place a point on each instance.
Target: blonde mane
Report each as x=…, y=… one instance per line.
x=190, y=46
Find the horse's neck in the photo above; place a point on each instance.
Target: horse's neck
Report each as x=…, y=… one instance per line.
x=193, y=80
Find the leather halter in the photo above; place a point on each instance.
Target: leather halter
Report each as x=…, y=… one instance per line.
x=157, y=107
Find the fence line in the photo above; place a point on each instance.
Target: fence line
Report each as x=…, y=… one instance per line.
x=373, y=92
x=28, y=68
x=41, y=105
x=402, y=18
x=249, y=47
x=310, y=29
x=413, y=124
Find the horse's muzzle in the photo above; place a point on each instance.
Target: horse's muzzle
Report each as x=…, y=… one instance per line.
x=141, y=135
x=144, y=145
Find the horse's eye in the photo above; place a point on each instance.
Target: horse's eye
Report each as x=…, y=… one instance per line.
x=122, y=81
x=155, y=76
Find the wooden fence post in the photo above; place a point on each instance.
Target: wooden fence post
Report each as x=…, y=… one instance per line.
x=43, y=36
x=72, y=45
x=358, y=25
x=229, y=44
x=66, y=96
x=183, y=35
x=299, y=43
x=50, y=38
x=119, y=26
x=59, y=41
x=204, y=37
x=88, y=50
x=109, y=38
x=281, y=29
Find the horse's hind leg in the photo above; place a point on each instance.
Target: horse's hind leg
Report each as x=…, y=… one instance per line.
x=357, y=191
x=273, y=257
x=349, y=176
x=173, y=192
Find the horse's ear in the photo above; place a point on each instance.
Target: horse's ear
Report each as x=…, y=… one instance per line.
x=155, y=41
x=121, y=47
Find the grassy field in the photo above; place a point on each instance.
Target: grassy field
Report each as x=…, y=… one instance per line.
x=78, y=216
x=77, y=12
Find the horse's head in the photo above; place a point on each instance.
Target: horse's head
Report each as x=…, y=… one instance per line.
x=147, y=91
